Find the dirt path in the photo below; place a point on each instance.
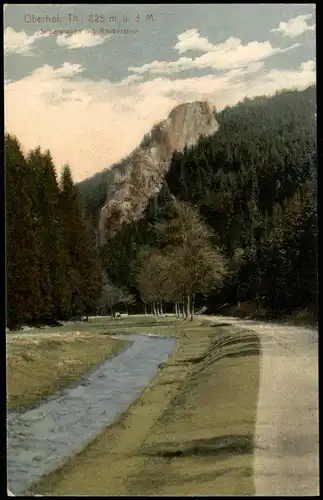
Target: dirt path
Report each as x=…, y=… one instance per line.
x=286, y=434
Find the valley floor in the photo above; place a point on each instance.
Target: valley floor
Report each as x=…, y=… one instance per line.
x=218, y=419
x=40, y=364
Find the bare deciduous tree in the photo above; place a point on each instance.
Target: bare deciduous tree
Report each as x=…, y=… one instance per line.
x=127, y=298
x=109, y=298
x=188, y=263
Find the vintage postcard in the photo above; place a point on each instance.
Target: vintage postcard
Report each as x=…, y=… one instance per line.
x=161, y=241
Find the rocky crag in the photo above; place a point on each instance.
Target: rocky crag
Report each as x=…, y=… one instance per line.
x=140, y=176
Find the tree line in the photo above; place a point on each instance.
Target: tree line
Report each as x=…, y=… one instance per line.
x=53, y=269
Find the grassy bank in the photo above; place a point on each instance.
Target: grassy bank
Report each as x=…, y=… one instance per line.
x=190, y=432
x=39, y=365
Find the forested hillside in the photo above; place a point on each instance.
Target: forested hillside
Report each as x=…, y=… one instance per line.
x=94, y=192
x=53, y=270
x=254, y=182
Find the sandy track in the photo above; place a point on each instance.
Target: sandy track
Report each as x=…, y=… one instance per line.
x=286, y=436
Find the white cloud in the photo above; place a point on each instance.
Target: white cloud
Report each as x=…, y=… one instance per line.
x=80, y=40
x=279, y=79
x=295, y=27
x=192, y=40
x=129, y=79
x=18, y=42
x=223, y=56
x=228, y=88
x=92, y=124
x=160, y=67
x=308, y=66
x=232, y=54
x=49, y=73
x=85, y=122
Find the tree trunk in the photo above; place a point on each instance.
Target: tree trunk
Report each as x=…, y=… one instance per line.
x=188, y=306
x=154, y=309
x=126, y=308
x=182, y=308
x=145, y=307
x=161, y=309
x=258, y=302
x=176, y=310
x=193, y=306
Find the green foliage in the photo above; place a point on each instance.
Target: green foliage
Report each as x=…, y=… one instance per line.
x=20, y=235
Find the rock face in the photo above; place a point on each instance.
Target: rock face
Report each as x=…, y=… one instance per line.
x=141, y=174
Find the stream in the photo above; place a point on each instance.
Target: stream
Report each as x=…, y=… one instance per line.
x=41, y=439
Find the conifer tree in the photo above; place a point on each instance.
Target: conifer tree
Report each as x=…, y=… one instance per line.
x=44, y=306
x=83, y=271
x=22, y=265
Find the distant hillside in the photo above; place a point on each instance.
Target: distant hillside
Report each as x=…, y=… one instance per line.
x=94, y=192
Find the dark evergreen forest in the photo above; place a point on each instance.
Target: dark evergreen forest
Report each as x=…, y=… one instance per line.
x=53, y=268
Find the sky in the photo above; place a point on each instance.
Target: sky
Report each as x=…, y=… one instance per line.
x=88, y=81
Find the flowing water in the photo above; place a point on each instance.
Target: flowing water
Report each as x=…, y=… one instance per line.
x=41, y=439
